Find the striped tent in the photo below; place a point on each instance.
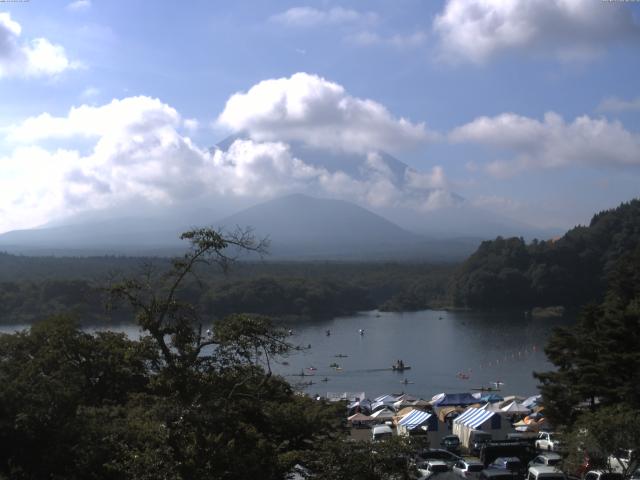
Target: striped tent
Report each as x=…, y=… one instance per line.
x=470, y=420
x=473, y=417
x=414, y=419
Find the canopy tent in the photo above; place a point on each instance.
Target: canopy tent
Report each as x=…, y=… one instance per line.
x=359, y=417
x=445, y=413
x=385, y=398
x=382, y=415
x=437, y=397
x=511, y=398
x=484, y=419
x=532, y=401
x=375, y=406
x=363, y=406
x=515, y=408
x=488, y=397
x=415, y=419
x=405, y=411
x=406, y=397
x=452, y=399
x=400, y=404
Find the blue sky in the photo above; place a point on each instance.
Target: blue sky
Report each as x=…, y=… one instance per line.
x=527, y=109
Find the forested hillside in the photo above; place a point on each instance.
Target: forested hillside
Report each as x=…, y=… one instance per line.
x=569, y=271
x=34, y=288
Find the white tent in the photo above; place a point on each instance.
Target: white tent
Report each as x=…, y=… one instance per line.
x=480, y=419
x=383, y=415
x=515, y=408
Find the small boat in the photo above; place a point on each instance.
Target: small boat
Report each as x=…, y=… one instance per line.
x=285, y=363
x=361, y=331
x=334, y=365
x=341, y=355
x=405, y=382
x=328, y=333
x=486, y=389
x=463, y=376
x=325, y=379
x=312, y=369
x=400, y=368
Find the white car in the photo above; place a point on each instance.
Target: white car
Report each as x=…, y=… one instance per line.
x=548, y=441
x=431, y=468
x=550, y=459
x=601, y=475
x=468, y=468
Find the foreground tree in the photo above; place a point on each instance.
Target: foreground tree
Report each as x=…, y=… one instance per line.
x=609, y=437
x=594, y=394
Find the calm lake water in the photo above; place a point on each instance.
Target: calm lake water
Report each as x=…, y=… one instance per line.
x=437, y=345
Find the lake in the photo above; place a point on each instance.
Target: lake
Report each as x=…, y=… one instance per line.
x=488, y=347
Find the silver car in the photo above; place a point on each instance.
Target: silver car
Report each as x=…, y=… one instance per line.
x=468, y=468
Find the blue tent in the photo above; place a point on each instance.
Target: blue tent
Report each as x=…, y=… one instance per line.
x=491, y=398
x=455, y=399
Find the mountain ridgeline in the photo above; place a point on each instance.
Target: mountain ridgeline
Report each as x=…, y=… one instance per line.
x=570, y=271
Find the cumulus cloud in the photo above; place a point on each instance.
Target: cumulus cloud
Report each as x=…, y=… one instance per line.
x=399, y=41
x=313, y=17
x=309, y=109
x=476, y=30
x=35, y=58
x=552, y=142
x=134, y=151
x=617, y=105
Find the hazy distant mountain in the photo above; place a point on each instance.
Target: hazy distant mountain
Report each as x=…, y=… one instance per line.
x=298, y=226
x=302, y=226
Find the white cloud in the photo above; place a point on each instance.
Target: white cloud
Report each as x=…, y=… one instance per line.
x=191, y=124
x=130, y=152
x=309, y=109
x=614, y=104
x=476, y=30
x=79, y=5
x=400, y=41
x=34, y=58
x=313, y=17
x=551, y=142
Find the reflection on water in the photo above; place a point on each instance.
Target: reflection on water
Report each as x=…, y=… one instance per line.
x=437, y=345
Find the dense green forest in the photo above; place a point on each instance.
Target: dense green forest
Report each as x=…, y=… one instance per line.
x=33, y=288
x=569, y=271
x=502, y=273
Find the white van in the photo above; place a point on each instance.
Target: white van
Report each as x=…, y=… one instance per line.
x=544, y=472
x=380, y=432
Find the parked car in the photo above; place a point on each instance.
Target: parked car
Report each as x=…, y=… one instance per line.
x=468, y=468
x=451, y=443
x=548, y=441
x=602, y=475
x=620, y=461
x=549, y=459
x=381, y=432
x=476, y=440
x=545, y=472
x=492, y=474
x=431, y=468
x=513, y=464
x=438, y=454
